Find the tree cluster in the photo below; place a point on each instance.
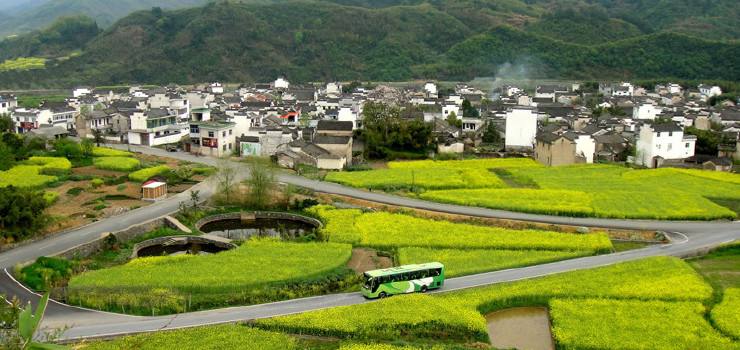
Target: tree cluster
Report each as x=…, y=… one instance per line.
x=386, y=130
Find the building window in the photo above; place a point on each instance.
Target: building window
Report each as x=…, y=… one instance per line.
x=231, y=131
x=211, y=134
x=229, y=146
x=670, y=133
x=687, y=145
x=657, y=146
x=194, y=129
x=670, y=146
x=224, y=147
x=658, y=134
x=223, y=134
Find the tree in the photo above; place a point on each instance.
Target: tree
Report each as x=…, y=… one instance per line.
x=452, y=120
x=491, y=134
x=98, y=137
x=226, y=174
x=6, y=157
x=468, y=110
x=99, y=107
x=262, y=180
x=87, y=147
x=85, y=109
x=6, y=124
x=68, y=148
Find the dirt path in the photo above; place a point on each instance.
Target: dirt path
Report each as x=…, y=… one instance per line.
x=364, y=259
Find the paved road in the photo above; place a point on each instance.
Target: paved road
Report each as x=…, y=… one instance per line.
x=88, y=323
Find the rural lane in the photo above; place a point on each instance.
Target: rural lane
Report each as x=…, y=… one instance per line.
x=90, y=323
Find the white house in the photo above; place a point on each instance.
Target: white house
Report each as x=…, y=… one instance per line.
x=334, y=88
x=58, y=115
x=521, y=127
x=431, y=88
x=708, y=91
x=155, y=127
x=645, y=111
x=623, y=89
x=675, y=89
x=81, y=91
x=451, y=108
x=7, y=103
x=281, y=83
x=658, y=142
x=211, y=138
x=217, y=88
x=585, y=146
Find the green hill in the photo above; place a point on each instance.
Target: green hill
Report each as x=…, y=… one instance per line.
x=104, y=12
x=323, y=41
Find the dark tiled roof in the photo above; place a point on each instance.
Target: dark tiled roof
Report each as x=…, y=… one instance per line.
x=547, y=137
x=666, y=127
x=156, y=113
x=334, y=125
x=251, y=139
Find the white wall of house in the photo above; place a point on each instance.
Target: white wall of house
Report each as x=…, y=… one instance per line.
x=330, y=163
x=586, y=146
x=668, y=145
x=449, y=108
x=281, y=83
x=645, y=111
x=346, y=114
x=521, y=128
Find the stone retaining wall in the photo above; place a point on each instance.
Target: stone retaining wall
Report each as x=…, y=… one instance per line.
x=135, y=231
x=180, y=239
x=258, y=215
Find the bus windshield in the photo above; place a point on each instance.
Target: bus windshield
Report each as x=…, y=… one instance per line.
x=368, y=282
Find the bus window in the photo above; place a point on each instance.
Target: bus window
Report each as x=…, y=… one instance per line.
x=385, y=279
x=423, y=273
x=435, y=272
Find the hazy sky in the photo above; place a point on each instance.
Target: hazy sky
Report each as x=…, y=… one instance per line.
x=7, y=4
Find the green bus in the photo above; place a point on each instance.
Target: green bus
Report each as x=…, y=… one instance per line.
x=403, y=279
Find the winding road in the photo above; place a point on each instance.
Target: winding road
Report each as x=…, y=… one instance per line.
x=687, y=237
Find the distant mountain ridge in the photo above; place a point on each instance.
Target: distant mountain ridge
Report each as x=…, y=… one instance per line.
x=325, y=41
x=40, y=14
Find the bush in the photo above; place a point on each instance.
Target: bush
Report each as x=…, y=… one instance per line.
x=143, y=174
x=97, y=183
x=46, y=272
x=116, y=163
x=74, y=191
x=51, y=198
x=108, y=152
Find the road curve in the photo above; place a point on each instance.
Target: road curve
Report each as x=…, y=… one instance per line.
x=90, y=323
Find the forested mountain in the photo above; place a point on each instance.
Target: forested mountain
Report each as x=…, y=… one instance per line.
x=104, y=12
x=372, y=40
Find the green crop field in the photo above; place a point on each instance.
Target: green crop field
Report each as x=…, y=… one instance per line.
x=229, y=336
x=591, y=190
x=666, y=287
x=25, y=176
x=633, y=324
x=386, y=231
x=460, y=262
x=726, y=315
x=124, y=164
x=143, y=174
x=109, y=152
x=23, y=63
x=248, y=270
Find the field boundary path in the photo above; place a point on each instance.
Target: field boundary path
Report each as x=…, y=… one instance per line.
x=700, y=236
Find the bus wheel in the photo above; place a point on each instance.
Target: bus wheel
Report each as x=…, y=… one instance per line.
x=382, y=295
x=424, y=289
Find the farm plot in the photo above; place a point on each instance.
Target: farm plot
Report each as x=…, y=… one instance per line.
x=229, y=336
x=388, y=231
x=460, y=262
x=633, y=324
x=247, y=272
x=660, y=283
x=124, y=164
x=26, y=176
x=726, y=315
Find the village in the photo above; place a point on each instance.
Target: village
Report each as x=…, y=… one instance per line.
x=556, y=124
